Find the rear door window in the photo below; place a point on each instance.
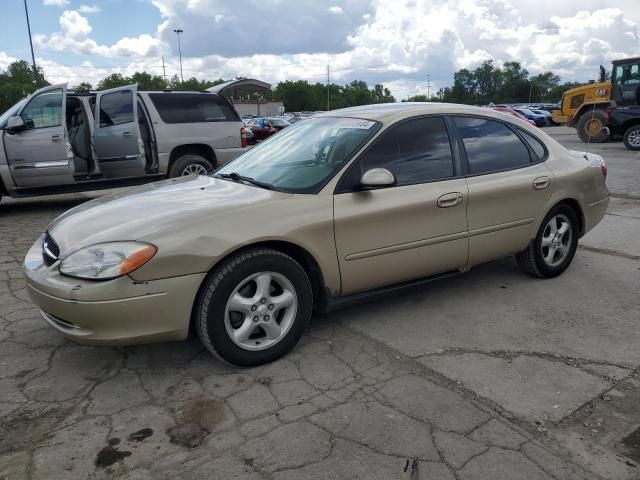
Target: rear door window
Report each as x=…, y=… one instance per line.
x=192, y=108
x=491, y=146
x=116, y=108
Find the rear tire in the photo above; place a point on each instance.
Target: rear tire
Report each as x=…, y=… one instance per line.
x=190, y=164
x=254, y=307
x=593, y=120
x=555, y=245
x=631, y=138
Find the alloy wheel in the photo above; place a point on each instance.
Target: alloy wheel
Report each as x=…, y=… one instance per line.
x=634, y=138
x=556, y=240
x=194, y=169
x=260, y=311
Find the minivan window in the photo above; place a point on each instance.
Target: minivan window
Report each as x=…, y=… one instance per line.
x=415, y=151
x=192, y=108
x=44, y=110
x=491, y=146
x=116, y=108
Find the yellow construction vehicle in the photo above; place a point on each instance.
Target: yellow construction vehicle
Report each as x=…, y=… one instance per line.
x=585, y=107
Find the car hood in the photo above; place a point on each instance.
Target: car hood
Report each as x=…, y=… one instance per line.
x=138, y=212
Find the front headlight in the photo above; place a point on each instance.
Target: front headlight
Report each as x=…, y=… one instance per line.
x=105, y=261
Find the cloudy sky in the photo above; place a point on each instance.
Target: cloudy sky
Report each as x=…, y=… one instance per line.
x=394, y=42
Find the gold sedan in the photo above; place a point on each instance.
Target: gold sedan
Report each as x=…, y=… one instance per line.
x=349, y=202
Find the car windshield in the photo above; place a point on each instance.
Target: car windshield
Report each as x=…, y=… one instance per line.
x=301, y=158
x=12, y=112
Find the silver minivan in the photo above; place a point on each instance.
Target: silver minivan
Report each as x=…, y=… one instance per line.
x=57, y=141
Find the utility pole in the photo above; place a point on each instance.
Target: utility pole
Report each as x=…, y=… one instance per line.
x=33, y=57
x=178, y=31
x=530, y=90
x=164, y=73
x=328, y=88
x=428, y=86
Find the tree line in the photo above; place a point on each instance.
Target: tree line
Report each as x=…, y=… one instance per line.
x=488, y=83
x=493, y=84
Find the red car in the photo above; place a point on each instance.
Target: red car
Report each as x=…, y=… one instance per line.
x=265, y=127
x=511, y=111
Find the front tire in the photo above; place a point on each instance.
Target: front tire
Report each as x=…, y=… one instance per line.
x=590, y=126
x=631, y=138
x=554, y=247
x=254, y=307
x=190, y=165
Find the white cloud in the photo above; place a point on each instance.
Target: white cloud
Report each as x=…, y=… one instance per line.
x=74, y=37
x=89, y=9
x=56, y=3
x=392, y=42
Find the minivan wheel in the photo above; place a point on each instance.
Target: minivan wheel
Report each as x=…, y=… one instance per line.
x=254, y=307
x=632, y=138
x=554, y=247
x=190, y=165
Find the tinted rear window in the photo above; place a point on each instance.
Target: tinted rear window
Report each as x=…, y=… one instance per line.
x=491, y=146
x=192, y=108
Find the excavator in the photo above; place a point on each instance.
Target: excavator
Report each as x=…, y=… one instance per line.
x=585, y=107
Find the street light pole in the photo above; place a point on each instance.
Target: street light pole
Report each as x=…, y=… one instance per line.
x=33, y=57
x=178, y=31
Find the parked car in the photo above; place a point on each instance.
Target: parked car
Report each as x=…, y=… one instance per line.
x=512, y=112
x=539, y=119
x=53, y=142
x=250, y=138
x=264, y=127
x=624, y=122
x=347, y=204
x=544, y=113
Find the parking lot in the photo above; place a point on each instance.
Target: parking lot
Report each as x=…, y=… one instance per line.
x=486, y=375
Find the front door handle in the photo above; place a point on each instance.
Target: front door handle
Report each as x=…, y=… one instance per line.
x=449, y=200
x=56, y=138
x=541, y=183
x=126, y=134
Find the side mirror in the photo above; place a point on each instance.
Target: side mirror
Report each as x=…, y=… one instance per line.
x=15, y=124
x=377, y=178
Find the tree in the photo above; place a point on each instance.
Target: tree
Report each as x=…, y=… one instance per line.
x=542, y=84
x=113, y=81
x=18, y=81
x=146, y=81
x=82, y=87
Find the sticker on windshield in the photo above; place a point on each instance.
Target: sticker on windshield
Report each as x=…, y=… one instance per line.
x=357, y=123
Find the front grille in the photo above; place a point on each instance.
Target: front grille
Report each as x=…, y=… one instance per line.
x=50, y=250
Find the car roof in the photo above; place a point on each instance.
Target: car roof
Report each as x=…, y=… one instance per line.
x=388, y=111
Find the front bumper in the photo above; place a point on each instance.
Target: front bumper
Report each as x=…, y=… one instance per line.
x=113, y=312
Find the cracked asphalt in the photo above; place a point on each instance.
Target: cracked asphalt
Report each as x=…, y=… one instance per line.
x=487, y=375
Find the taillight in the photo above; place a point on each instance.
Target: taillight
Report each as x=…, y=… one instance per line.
x=603, y=167
x=243, y=137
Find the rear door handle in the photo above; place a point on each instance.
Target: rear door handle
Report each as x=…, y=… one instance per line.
x=126, y=134
x=56, y=138
x=449, y=200
x=541, y=183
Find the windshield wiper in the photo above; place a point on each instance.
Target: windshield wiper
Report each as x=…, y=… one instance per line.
x=241, y=178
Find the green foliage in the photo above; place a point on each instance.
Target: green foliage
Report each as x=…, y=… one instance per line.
x=82, y=87
x=18, y=81
x=300, y=95
x=507, y=84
